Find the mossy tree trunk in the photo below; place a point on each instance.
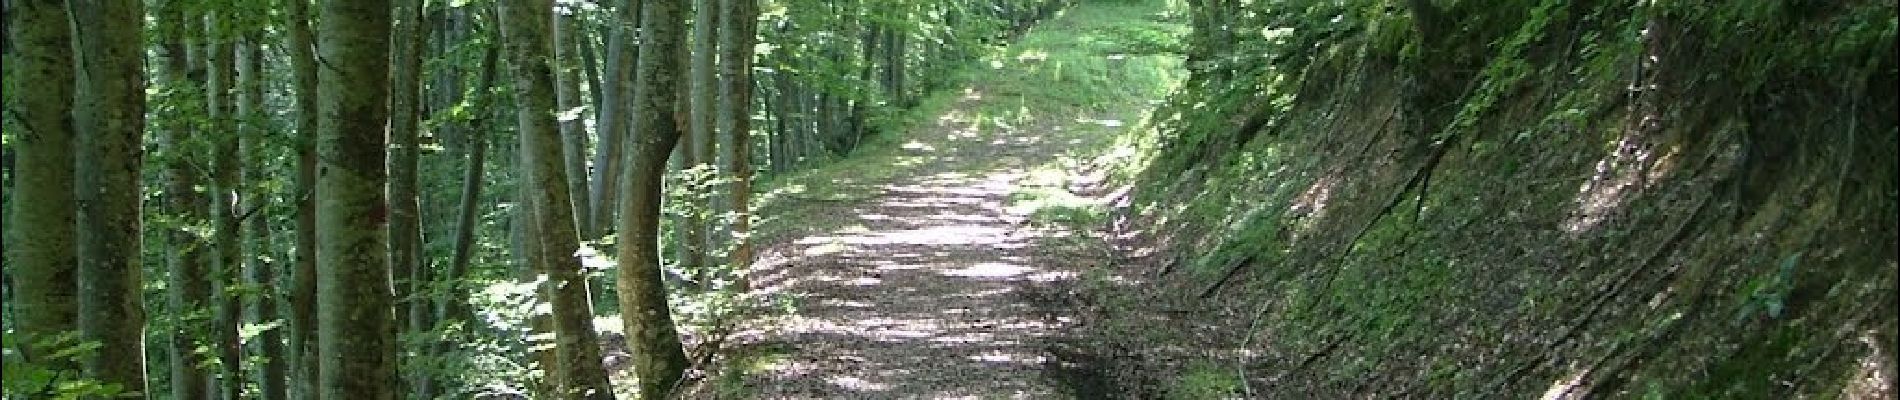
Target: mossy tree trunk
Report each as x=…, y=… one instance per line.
x=576, y=372
x=109, y=121
x=356, y=325
x=39, y=228
x=659, y=359
x=301, y=321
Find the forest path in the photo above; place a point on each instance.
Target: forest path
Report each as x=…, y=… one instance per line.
x=923, y=266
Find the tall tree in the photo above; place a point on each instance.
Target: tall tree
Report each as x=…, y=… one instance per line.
x=39, y=236
x=405, y=208
x=698, y=144
x=453, y=306
x=613, y=116
x=109, y=119
x=737, y=34
x=186, y=250
x=356, y=324
x=659, y=359
x=227, y=244
x=577, y=370
x=568, y=47
x=259, y=268
x=301, y=323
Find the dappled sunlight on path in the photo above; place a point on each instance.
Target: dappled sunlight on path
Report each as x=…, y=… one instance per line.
x=937, y=264
x=921, y=295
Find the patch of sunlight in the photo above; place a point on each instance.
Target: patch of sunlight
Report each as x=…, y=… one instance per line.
x=855, y=383
x=989, y=270
x=918, y=146
x=1111, y=123
x=1032, y=55
x=1874, y=375
x=1561, y=388
x=593, y=259
x=1006, y=358
x=1632, y=165
x=608, y=324
x=827, y=248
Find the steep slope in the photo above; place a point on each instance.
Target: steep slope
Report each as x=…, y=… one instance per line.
x=1506, y=199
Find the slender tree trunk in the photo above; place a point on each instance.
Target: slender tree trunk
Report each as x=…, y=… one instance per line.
x=39, y=228
x=736, y=37
x=186, y=255
x=258, y=269
x=301, y=324
x=454, y=304
x=405, y=208
x=782, y=150
x=696, y=244
x=613, y=117
x=577, y=371
x=355, y=322
x=567, y=50
x=659, y=359
x=109, y=120
x=226, y=236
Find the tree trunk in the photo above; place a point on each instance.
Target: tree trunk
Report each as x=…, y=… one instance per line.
x=39, y=228
x=258, y=269
x=568, y=77
x=696, y=243
x=613, y=118
x=736, y=36
x=355, y=323
x=301, y=324
x=577, y=371
x=454, y=304
x=226, y=236
x=405, y=208
x=109, y=120
x=659, y=359
x=186, y=256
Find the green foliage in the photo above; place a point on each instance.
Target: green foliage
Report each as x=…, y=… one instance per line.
x=1348, y=221
x=26, y=378
x=1205, y=380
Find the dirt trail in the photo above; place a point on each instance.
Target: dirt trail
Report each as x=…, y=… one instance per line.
x=930, y=266
x=925, y=292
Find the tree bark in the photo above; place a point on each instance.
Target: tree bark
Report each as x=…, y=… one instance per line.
x=737, y=33
x=186, y=251
x=405, y=209
x=226, y=237
x=568, y=77
x=699, y=149
x=301, y=324
x=659, y=359
x=613, y=118
x=109, y=120
x=259, y=272
x=355, y=323
x=577, y=370
x=39, y=228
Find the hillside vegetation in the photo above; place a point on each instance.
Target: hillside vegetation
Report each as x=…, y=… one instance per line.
x=1499, y=199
